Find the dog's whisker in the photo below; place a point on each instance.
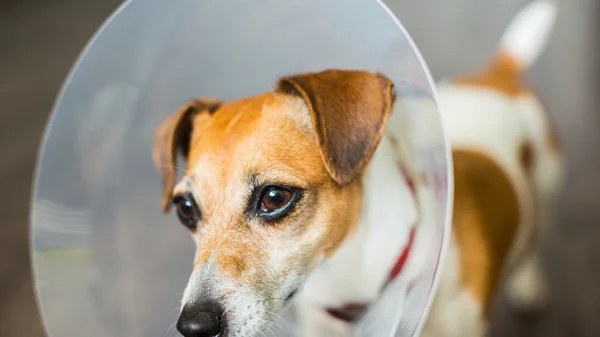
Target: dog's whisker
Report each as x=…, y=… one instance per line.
x=265, y=326
x=171, y=329
x=277, y=317
x=284, y=326
x=268, y=327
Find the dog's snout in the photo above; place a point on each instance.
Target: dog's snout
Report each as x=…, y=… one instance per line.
x=200, y=320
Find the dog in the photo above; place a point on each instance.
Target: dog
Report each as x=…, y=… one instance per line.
x=288, y=192
x=508, y=170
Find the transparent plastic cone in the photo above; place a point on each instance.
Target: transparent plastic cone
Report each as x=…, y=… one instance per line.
x=107, y=262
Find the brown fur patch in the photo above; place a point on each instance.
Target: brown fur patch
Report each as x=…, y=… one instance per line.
x=503, y=75
x=485, y=221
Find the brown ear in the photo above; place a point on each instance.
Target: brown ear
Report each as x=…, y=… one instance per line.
x=173, y=136
x=349, y=111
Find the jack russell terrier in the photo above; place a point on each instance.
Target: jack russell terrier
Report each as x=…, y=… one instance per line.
x=276, y=187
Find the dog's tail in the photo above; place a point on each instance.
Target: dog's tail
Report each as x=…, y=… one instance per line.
x=527, y=35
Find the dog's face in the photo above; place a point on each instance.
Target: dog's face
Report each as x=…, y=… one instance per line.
x=271, y=189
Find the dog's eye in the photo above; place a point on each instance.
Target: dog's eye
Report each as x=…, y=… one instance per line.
x=274, y=202
x=274, y=199
x=187, y=211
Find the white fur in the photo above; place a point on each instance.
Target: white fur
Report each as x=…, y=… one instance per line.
x=299, y=112
x=527, y=35
x=316, y=322
x=358, y=270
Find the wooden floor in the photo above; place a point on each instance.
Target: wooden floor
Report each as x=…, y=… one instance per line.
x=39, y=40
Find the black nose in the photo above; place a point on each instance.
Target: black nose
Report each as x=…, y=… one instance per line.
x=200, y=320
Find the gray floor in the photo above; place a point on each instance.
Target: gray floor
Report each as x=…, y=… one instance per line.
x=40, y=39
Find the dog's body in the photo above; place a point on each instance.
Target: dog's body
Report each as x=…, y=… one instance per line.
x=507, y=171
x=298, y=194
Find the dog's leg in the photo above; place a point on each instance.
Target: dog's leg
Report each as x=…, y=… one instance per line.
x=315, y=322
x=526, y=284
x=527, y=287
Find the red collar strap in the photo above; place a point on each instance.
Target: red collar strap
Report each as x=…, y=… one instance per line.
x=399, y=266
x=352, y=312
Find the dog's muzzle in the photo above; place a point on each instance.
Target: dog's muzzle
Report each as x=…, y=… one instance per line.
x=203, y=319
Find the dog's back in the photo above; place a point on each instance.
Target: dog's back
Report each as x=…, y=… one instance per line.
x=507, y=168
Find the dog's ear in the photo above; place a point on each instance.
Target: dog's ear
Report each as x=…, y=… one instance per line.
x=173, y=136
x=349, y=112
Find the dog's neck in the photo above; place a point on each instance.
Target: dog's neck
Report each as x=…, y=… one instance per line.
x=357, y=272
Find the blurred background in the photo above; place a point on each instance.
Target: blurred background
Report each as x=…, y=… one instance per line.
x=40, y=39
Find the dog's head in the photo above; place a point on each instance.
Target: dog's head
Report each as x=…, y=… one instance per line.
x=272, y=187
